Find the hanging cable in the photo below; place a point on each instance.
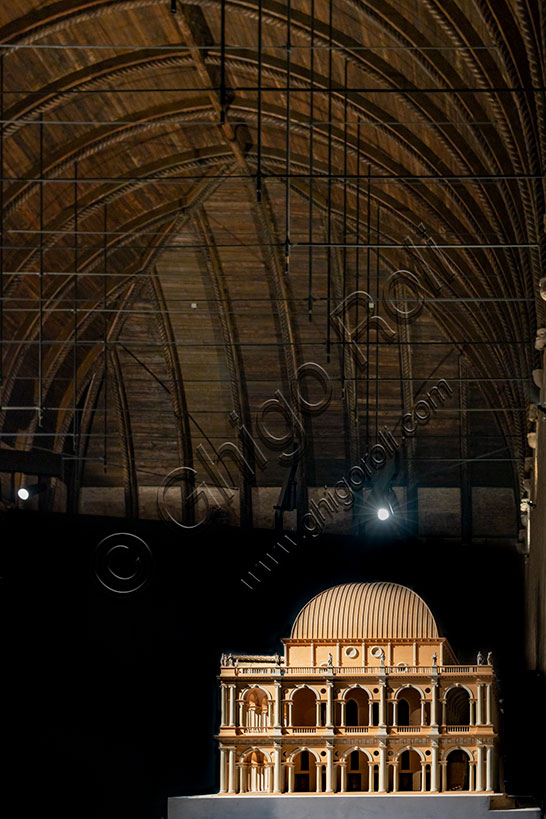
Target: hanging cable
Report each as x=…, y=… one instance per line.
x=357, y=248
x=311, y=135
x=377, y=260
x=41, y=275
x=287, y=202
x=222, y=62
x=259, y=125
x=105, y=341
x=75, y=311
x=329, y=224
x=344, y=276
x=368, y=239
x=1, y=219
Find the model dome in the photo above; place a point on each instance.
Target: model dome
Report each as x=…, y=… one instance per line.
x=364, y=611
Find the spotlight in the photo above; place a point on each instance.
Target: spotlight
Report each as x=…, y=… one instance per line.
x=24, y=493
x=383, y=513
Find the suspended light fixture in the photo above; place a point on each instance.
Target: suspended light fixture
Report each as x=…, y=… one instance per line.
x=383, y=504
x=24, y=493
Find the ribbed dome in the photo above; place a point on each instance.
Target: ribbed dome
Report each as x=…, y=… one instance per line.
x=364, y=611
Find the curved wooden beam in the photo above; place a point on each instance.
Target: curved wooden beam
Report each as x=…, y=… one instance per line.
x=125, y=435
x=177, y=393
x=234, y=359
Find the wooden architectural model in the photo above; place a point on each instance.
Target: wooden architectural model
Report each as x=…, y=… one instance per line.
x=368, y=697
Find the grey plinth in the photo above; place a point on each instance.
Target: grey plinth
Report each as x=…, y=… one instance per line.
x=342, y=806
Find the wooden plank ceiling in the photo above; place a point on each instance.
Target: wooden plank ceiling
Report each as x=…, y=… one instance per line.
x=167, y=301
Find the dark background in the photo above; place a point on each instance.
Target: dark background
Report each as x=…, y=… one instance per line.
x=113, y=697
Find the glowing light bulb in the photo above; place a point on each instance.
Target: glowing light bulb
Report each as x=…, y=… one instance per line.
x=23, y=493
x=383, y=513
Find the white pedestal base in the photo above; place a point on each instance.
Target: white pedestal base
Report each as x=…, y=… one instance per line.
x=342, y=806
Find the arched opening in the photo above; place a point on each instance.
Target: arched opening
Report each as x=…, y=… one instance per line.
x=357, y=708
x=409, y=707
x=409, y=771
x=403, y=712
x=357, y=771
x=255, y=709
x=255, y=774
x=304, y=709
x=304, y=772
x=458, y=768
x=351, y=712
x=457, y=707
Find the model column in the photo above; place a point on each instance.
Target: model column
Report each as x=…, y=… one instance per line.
x=277, y=777
x=382, y=703
x=232, y=696
x=330, y=705
x=343, y=768
x=443, y=768
x=488, y=703
x=223, y=770
x=434, y=768
x=232, y=770
x=423, y=712
x=423, y=775
x=329, y=767
x=277, y=705
x=489, y=768
x=241, y=767
x=434, y=705
x=317, y=713
x=395, y=766
x=223, y=705
x=479, y=705
x=472, y=776
x=290, y=704
x=471, y=710
x=382, y=767
x=479, y=769
x=291, y=766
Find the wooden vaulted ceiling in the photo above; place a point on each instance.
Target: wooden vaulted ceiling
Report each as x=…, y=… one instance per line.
x=183, y=307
